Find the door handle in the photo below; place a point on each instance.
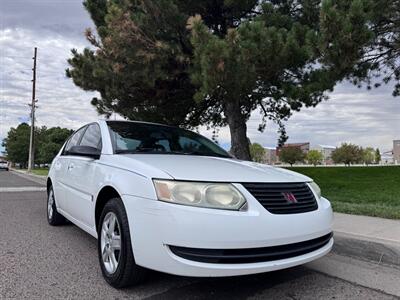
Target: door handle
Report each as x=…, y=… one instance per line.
x=71, y=166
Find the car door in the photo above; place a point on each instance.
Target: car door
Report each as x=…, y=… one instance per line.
x=83, y=179
x=60, y=165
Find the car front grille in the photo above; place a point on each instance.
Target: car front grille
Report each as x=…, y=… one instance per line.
x=283, y=198
x=251, y=255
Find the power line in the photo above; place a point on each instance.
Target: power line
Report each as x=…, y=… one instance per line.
x=13, y=56
x=13, y=80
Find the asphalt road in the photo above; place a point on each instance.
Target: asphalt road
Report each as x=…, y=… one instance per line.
x=38, y=261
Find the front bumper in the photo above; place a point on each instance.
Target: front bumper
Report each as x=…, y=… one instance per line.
x=156, y=225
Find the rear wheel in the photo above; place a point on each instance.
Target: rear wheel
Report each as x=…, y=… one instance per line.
x=53, y=216
x=114, y=247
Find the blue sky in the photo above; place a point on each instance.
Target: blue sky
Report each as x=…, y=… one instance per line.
x=367, y=118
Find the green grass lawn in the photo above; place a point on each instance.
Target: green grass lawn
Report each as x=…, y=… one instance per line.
x=40, y=171
x=373, y=191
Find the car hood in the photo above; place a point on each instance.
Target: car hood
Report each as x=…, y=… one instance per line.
x=206, y=168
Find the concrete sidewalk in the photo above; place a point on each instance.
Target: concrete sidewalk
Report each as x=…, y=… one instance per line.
x=368, y=238
x=370, y=228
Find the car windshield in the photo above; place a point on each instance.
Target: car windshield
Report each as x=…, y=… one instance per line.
x=132, y=137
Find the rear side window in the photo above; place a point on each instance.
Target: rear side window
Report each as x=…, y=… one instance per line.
x=92, y=137
x=74, y=140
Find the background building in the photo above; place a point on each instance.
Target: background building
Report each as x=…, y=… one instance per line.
x=387, y=158
x=326, y=151
x=396, y=151
x=270, y=156
x=305, y=147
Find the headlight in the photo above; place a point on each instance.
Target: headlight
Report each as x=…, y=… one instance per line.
x=210, y=195
x=315, y=188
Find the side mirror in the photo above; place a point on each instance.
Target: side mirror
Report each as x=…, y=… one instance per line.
x=86, y=151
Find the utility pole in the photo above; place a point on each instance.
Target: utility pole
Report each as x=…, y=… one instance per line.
x=31, y=161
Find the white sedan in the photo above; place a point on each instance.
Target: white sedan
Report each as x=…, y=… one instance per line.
x=164, y=198
x=3, y=165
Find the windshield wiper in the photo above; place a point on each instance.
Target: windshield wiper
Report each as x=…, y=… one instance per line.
x=154, y=151
x=131, y=151
x=124, y=151
x=198, y=153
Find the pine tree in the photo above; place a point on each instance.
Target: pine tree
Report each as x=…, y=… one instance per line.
x=377, y=156
x=214, y=62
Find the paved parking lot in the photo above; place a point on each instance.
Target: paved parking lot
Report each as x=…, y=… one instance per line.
x=42, y=262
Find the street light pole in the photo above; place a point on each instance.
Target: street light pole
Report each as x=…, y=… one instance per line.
x=31, y=161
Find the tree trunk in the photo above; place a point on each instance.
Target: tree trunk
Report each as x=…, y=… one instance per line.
x=237, y=126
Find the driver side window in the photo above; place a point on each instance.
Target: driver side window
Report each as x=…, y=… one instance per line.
x=74, y=140
x=92, y=137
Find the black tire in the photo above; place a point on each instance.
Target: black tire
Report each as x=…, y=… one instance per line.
x=127, y=273
x=54, y=218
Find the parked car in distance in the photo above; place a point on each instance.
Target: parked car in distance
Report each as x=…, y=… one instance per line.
x=4, y=165
x=168, y=199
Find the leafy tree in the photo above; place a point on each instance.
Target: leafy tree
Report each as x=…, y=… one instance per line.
x=47, y=152
x=368, y=155
x=48, y=142
x=377, y=156
x=257, y=152
x=51, y=142
x=17, y=144
x=291, y=155
x=233, y=57
x=314, y=157
x=348, y=154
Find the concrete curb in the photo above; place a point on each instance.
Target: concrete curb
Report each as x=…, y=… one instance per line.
x=29, y=174
x=32, y=177
x=377, y=251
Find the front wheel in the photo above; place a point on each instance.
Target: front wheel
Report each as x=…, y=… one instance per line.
x=114, y=247
x=53, y=216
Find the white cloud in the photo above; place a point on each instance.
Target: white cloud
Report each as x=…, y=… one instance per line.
x=60, y=102
x=367, y=118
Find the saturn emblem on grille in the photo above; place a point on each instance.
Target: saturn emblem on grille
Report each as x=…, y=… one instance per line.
x=289, y=197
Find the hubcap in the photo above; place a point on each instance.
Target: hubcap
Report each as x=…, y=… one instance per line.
x=50, y=203
x=110, y=242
